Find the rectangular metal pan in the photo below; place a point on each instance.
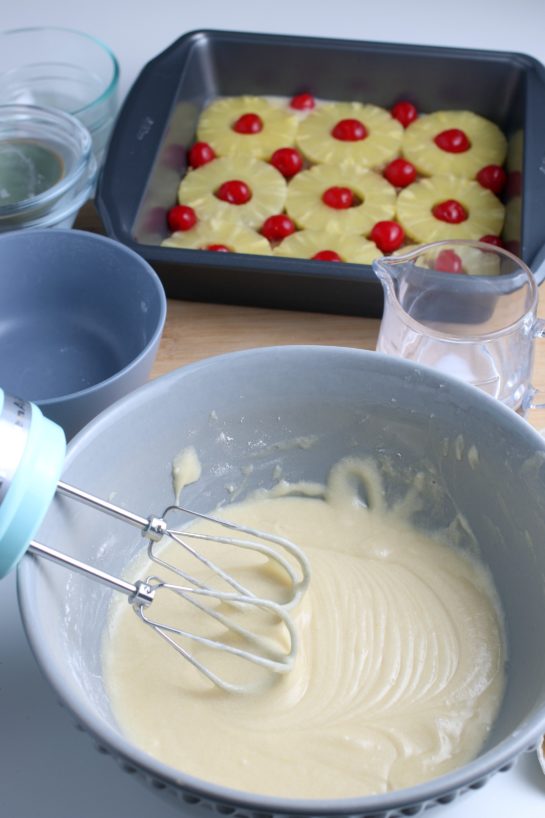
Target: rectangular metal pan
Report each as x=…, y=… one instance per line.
x=147, y=152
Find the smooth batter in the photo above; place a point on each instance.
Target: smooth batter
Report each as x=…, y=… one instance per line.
x=399, y=674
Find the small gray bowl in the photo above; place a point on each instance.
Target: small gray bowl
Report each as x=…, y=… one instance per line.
x=250, y=409
x=81, y=318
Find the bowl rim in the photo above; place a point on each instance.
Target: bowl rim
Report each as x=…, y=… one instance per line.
x=41, y=118
x=114, y=80
x=67, y=234
x=462, y=779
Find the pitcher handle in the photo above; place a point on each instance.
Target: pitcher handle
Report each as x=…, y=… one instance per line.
x=529, y=403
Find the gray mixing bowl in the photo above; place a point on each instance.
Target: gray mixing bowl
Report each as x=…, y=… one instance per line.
x=81, y=317
x=244, y=409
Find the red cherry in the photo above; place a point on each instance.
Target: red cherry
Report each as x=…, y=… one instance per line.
x=452, y=141
x=514, y=184
x=200, y=153
x=388, y=236
x=450, y=211
x=181, y=217
x=217, y=248
x=288, y=161
x=405, y=112
x=339, y=198
x=349, y=130
x=448, y=261
x=490, y=239
x=276, y=228
x=234, y=192
x=248, y=124
x=303, y=102
x=492, y=177
x=327, y=255
x=400, y=173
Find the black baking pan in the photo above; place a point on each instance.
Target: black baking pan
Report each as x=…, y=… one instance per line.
x=147, y=153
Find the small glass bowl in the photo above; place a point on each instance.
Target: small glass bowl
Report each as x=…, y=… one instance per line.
x=62, y=68
x=47, y=167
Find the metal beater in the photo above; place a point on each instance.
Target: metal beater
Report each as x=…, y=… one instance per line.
x=32, y=450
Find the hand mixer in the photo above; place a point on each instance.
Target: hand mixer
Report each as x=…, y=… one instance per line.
x=32, y=450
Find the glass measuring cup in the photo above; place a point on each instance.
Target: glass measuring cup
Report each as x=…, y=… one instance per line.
x=467, y=309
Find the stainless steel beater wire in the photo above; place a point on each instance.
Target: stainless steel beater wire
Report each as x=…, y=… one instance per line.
x=300, y=585
x=145, y=523
x=265, y=604
x=176, y=536
x=155, y=527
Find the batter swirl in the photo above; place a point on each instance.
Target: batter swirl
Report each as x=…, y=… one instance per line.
x=399, y=674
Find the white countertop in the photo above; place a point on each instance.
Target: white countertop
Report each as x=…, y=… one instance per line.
x=47, y=768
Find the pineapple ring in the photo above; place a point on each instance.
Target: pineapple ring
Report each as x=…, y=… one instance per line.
x=488, y=145
x=305, y=206
x=382, y=143
x=415, y=203
x=306, y=243
x=237, y=237
x=215, y=127
x=268, y=187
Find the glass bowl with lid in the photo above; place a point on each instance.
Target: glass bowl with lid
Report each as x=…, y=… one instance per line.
x=47, y=167
x=65, y=69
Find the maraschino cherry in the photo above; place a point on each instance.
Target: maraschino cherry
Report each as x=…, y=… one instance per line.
x=277, y=227
x=327, y=255
x=339, y=198
x=181, y=217
x=494, y=240
x=452, y=140
x=492, y=177
x=200, y=154
x=303, y=102
x=448, y=261
x=400, y=173
x=388, y=236
x=248, y=124
x=234, y=192
x=405, y=112
x=288, y=161
x=217, y=248
x=450, y=211
x=349, y=130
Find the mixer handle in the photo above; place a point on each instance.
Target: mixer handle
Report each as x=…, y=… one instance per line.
x=32, y=450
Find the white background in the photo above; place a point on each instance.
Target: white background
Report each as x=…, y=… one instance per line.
x=47, y=768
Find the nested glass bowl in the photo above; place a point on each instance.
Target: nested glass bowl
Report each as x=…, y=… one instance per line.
x=65, y=69
x=47, y=167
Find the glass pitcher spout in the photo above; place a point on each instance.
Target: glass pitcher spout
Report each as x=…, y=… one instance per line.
x=385, y=270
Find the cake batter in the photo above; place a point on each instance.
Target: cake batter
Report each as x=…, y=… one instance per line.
x=400, y=670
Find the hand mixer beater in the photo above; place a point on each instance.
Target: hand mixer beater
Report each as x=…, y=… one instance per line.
x=32, y=450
